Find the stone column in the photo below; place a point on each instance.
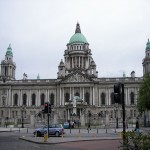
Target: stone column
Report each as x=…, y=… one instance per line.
x=55, y=117
x=39, y=100
x=90, y=95
x=93, y=96
x=83, y=94
x=63, y=96
x=70, y=92
x=9, y=97
x=108, y=96
x=73, y=92
x=60, y=97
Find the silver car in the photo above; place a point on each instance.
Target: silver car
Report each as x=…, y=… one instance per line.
x=54, y=129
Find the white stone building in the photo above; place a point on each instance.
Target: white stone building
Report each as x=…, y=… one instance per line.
x=76, y=90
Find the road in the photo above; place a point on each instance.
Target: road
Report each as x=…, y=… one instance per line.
x=11, y=141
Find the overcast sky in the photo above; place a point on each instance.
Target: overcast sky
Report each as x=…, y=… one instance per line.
x=38, y=30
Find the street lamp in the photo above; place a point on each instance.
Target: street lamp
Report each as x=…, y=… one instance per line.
x=116, y=114
x=99, y=115
x=22, y=117
x=89, y=124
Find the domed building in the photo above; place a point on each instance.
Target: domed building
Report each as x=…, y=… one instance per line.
x=76, y=94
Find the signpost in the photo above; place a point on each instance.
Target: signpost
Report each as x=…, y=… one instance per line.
x=119, y=98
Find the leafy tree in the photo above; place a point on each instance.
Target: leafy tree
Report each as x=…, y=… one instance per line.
x=144, y=94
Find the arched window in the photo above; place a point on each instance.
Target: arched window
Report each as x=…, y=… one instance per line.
x=103, y=98
x=67, y=96
x=42, y=99
x=132, y=98
x=16, y=99
x=52, y=99
x=112, y=98
x=87, y=98
x=24, y=99
x=33, y=99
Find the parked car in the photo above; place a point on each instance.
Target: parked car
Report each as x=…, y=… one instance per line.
x=55, y=129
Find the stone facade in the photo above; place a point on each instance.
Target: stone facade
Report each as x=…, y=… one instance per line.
x=77, y=79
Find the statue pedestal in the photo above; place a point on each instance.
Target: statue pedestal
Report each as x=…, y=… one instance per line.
x=82, y=120
x=74, y=110
x=107, y=119
x=32, y=120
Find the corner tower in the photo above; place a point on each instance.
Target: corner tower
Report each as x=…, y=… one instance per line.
x=146, y=60
x=78, y=56
x=8, y=67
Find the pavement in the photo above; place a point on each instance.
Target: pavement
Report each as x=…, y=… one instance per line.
x=72, y=135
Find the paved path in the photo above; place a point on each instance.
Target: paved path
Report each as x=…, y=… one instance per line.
x=71, y=136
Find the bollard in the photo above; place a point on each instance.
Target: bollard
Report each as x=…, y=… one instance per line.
x=27, y=130
x=19, y=130
x=78, y=135
x=94, y=135
x=70, y=130
x=62, y=135
x=97, y=130
x=106, y=130
x=45, y=136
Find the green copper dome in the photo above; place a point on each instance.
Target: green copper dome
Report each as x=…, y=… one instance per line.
x=9, y=51
x=78, y=37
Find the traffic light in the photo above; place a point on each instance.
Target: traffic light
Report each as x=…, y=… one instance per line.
x=117, y=93
x=46, y=108
x=49, y=108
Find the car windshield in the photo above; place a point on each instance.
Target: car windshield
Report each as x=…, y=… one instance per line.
x=58, y=126
x=54, y=126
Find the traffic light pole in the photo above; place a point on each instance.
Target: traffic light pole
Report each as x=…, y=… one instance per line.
x=119, y=98
x=123, y=113
x=48, y=123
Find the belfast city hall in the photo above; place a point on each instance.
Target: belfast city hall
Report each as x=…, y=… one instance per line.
x=76, y=94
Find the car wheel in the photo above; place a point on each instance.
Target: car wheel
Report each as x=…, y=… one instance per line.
x=38, y=134
x=57, y=134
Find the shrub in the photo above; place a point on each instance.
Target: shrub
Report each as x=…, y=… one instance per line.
x=136, y=141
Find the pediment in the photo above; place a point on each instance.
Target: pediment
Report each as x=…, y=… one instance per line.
x=76, y=77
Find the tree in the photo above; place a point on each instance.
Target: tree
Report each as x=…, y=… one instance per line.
x=144, y=94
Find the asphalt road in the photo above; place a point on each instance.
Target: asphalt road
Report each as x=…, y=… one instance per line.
x=11, y=141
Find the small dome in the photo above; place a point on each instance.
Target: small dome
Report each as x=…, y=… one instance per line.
x=62, y=63
x=93, y=63
x=9, y=51
x=148, y=45
x=3, y=62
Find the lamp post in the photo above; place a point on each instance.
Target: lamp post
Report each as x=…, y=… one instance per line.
x=89, y=115
x=99, y=115
x=116, y=114
x=22, y=117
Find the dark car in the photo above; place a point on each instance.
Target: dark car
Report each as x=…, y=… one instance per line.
x=55, y=129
